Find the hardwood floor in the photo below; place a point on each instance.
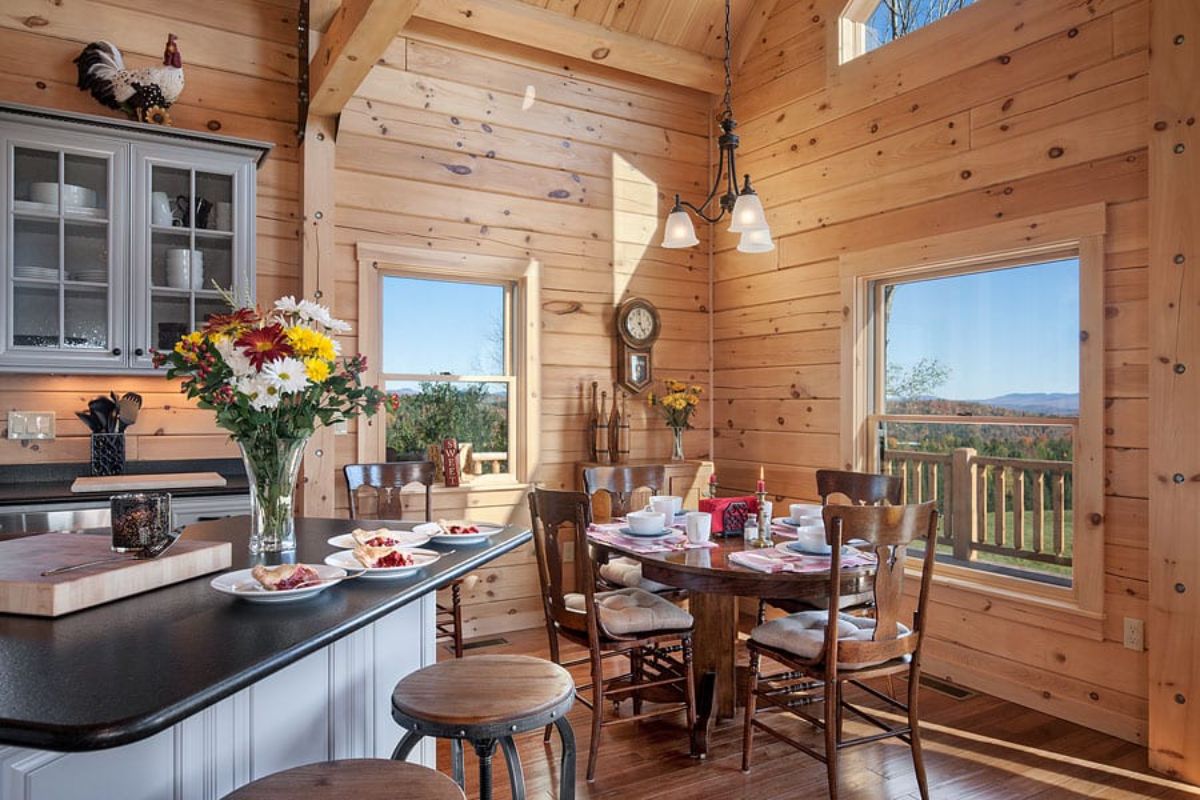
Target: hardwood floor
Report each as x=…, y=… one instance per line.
x=977, y=748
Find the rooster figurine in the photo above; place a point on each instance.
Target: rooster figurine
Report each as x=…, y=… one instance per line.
x=143, y=94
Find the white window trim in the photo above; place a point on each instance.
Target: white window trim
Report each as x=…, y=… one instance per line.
x=378, y=260
x=1081, y=230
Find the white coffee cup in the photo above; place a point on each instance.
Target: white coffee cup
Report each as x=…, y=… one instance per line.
x=812, y=539
x=669, y=505
x=160, y=209
x=646, y=521
x=699, y=526
x=804, y=513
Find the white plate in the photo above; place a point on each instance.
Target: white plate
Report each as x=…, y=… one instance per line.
x=403, y=538
x=436, y=534
x=627, y=531
x=31, y=206
x=346, y=560
x=240, y=583
x=795, y=549
x=804, y=523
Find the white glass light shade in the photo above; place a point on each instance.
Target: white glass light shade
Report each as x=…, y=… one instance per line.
x=748, y=214
x=678, y=231
x=758, y=241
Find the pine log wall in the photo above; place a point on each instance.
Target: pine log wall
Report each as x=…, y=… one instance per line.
x=1002, y=110
x=239, y=61
x=460, y=143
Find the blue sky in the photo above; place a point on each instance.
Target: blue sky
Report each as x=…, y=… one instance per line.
x=441, y=326
x=1008, y=330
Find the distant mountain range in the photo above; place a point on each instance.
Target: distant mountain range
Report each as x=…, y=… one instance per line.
x=1037, y=402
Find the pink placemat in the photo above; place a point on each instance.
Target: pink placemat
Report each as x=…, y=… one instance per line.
x=770, y=559
x=610, y=533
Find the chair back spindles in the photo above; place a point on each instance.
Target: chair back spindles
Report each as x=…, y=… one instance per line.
x=858, y=488
x=888, y=530
x=559, y=519
x=388, y=481
x=622, y=483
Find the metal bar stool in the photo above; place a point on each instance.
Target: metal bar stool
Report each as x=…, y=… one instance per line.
x=487, y=700
x=359, y=778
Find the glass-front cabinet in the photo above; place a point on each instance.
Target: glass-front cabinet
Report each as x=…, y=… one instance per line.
x=117, y=240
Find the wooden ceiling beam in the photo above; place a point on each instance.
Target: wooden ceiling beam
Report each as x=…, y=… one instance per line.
x=747, y=40
x=358, y=34
x=529, y=25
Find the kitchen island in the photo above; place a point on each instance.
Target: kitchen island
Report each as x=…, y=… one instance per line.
x=183, y=692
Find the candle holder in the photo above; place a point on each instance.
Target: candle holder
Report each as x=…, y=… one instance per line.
x=764, y=520
x=139, y=520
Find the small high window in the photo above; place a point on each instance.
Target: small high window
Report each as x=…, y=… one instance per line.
x=870, y=24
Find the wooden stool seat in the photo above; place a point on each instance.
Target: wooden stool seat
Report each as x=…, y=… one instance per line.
x=486, y=700
x=358, y=778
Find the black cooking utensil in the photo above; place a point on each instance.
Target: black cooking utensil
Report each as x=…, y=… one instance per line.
x=90, y=421
x=104, y=410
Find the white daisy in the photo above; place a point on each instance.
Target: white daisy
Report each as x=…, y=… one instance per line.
x=235, y=359
x=260, y=394
x=286, y=375
x=315, y=312
x=288, y=305
x=338, y=325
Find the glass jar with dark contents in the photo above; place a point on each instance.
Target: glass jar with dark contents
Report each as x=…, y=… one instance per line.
x=139, y=520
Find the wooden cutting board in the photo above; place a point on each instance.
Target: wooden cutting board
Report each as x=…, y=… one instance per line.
x=135, y=483
x=24, y=590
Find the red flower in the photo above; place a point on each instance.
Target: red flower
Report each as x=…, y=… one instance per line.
x=264, y=344
x=231, y=325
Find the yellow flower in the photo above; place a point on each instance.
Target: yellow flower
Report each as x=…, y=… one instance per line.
x=697, y=390
x=190, y=341
x=317, y=369
x=307, y=342
x=693, y=400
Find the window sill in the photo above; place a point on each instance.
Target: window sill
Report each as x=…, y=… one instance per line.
x=498, y=484
x=1016, y=599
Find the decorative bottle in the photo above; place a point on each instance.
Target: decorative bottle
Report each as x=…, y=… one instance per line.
x=601, y=439
x=593, y=423
x=624, y=431
x=614, y=429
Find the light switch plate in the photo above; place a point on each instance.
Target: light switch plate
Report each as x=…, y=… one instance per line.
x=31, y=424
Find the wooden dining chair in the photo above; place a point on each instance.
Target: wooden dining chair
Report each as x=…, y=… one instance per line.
x=387, y=482
x=825, y=651
x=617, y=487
x=626, y=622
x=855, y=488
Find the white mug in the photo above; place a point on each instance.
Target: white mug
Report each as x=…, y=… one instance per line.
x=222, y=216
x=646, y=521
x=668, y=505
x=699, y=526
x=160, y=209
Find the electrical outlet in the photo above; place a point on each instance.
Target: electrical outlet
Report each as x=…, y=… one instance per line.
x=341, y=428
x=1135, y=634
x=31, y=424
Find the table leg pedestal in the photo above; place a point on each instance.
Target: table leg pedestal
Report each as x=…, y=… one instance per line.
x=715, y=643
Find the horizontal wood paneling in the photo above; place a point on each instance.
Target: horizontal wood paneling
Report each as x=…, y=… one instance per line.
x=239, y=61
x=1003, y=110
x=459, y=143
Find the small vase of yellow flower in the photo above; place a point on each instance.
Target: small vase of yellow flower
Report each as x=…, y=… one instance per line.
x=677, y=404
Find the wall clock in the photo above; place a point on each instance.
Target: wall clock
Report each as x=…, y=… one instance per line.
x=638, y=326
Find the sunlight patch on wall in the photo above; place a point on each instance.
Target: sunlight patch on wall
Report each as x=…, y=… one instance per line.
x=635, y=221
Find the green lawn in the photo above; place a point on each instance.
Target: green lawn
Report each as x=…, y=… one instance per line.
x=1025, y=563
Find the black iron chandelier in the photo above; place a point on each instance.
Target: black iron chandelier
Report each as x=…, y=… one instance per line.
x=745, y=209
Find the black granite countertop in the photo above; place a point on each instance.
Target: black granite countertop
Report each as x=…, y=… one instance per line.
x=120, y=672
x=22, y=484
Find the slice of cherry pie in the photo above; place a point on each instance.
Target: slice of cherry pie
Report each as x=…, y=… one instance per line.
x=375, y=538
x=382, y=557
x=284, y=576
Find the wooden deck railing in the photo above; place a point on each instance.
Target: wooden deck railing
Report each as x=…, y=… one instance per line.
x=495, y=462
x=1011, y=507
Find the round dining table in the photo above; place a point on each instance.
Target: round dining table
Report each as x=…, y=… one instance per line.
x=714, y=583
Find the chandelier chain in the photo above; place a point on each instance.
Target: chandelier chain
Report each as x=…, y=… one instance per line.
x=728, y=63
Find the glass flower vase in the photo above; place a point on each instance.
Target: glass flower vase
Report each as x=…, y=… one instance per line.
x=273, y=467
x=677, y=446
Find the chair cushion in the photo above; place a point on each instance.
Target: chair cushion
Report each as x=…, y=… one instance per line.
x=627, y=572
x=626, y=612
x=803, y=634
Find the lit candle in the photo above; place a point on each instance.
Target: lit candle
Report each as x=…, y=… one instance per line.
x=762, y=484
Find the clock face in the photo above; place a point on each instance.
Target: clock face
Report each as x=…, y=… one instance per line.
x=639, y=324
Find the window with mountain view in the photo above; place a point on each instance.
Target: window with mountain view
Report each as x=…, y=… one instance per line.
x=870, y=24
x=976, y=401
x=456, y=379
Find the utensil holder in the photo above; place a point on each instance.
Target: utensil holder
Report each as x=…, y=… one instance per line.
x=108, y=453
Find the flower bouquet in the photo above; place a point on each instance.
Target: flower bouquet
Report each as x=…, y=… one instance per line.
x=677, y=404
x=271, y=377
